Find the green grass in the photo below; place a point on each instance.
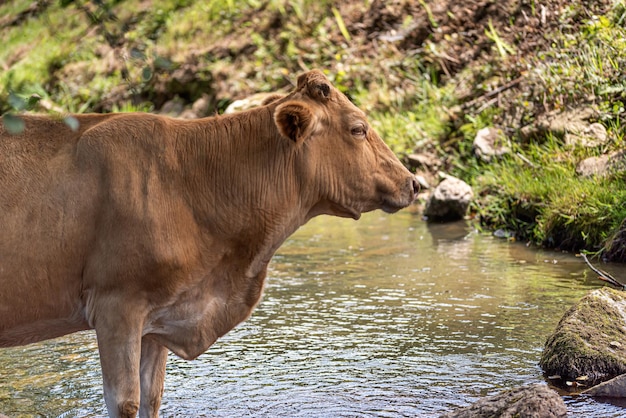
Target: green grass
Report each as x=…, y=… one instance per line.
x=148, y=41
x=34, y=51
x=586, y=66
x=402, y=131
x=542, y=199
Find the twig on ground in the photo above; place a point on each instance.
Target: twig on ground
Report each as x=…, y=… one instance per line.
x=526, y=160
x=493, y=92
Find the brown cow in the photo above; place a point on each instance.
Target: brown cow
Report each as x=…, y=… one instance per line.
x=157, y=232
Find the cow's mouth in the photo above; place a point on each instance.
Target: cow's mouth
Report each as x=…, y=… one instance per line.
x=391, y=207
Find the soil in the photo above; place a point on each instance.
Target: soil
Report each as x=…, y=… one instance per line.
x=452, y=35
x=455, y=39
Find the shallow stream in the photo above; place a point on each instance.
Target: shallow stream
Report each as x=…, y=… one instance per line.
x=384, y=317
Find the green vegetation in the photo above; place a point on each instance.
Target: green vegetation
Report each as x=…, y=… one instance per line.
x=537, y=194
x=430, y=75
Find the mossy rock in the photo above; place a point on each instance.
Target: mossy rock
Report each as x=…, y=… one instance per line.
x=589, y=344
x=534, y=401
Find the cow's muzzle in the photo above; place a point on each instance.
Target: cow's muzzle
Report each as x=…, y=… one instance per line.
x=410, y=191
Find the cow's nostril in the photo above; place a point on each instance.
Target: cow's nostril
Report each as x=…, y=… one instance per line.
x=416, y=186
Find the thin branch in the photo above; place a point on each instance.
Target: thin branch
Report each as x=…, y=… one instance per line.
x=526, y=160
x=493, y=92
x=603, y=275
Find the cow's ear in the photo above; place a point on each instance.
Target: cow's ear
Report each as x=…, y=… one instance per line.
x=293, y=120
x=316, y=85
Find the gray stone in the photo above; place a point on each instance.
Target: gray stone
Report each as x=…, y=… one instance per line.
x=490, y=143
x=173, y=107
x=449, y=201
x=602, y=165
x=201, y=106
x=587, y=136
x=559, y=123
x=534, y=401
x=503, y=233
x=248, y=103
x=428, y=161
x=574, y=126
x=176, y=108
x=614, y=388
x=593, y=166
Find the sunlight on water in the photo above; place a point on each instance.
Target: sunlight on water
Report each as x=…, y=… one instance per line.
x=385, y=317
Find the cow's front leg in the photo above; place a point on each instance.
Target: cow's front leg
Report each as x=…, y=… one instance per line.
x=119, y=345
x=153, y=359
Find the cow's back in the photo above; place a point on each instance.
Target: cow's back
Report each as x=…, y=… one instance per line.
x=47, y=202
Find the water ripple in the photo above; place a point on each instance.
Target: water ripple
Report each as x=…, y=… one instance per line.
x=387, y=317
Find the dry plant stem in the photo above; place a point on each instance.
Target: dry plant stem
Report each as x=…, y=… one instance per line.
x=603, y=275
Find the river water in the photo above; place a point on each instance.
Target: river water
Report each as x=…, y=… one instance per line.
x=385, y=317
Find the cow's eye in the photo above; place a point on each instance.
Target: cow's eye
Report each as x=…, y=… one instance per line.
x=359, y=131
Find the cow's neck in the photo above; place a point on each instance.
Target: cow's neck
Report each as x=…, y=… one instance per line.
x=244, y=187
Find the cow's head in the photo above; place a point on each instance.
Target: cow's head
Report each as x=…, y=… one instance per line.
x=343, y=166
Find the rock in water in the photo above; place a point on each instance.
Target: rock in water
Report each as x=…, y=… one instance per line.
x=535, y=401
x=614, y=388
x=587, y=345
x=449, y=201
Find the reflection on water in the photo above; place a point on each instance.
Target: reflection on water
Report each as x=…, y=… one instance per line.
x=385, y=317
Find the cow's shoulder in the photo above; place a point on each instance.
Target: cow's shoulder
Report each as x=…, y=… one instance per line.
x=124, y=138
